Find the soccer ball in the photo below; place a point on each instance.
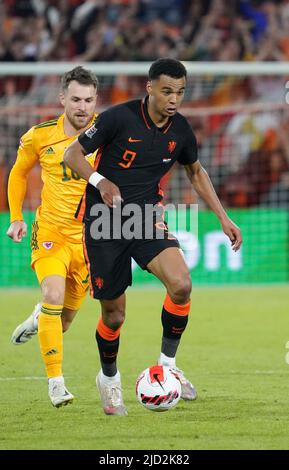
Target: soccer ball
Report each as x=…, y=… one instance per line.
x=158, y=389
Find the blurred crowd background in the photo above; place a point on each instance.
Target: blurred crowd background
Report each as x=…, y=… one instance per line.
x=241, y=123
x=135, y=30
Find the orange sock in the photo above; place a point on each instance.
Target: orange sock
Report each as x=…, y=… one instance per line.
x=108, y=344
x=174, y=318
x=176, y=309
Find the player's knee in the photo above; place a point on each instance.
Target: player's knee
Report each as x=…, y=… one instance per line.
x=117, y=319
x=180, y=290
x=53, y=295
x=114, y=318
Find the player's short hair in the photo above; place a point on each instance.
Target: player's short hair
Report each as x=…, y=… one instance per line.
x=80, y=75
x=171, y=67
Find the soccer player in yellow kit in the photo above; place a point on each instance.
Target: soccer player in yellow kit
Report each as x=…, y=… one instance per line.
x=56, y=242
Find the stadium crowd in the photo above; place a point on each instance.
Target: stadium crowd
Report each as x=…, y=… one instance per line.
x=134, y=30
x=246, y=151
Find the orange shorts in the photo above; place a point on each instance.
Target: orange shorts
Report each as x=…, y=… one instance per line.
x=52, y=255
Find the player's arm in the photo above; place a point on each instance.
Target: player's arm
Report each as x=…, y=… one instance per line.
x=74, y=157
x=17, y=183
x=90, y=140
x=203, y=186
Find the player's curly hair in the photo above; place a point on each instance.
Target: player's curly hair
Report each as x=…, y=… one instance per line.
x=171, y=67
x=80, y=75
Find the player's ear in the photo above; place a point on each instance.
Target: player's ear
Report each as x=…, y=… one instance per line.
x=149, y=87
x=61, y=98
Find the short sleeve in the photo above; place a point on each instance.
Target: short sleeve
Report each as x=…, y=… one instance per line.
x=189, y=153
x=101, y=132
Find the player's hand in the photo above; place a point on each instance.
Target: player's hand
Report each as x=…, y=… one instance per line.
x=17, y=230
x=233, y=232
x=109, y=192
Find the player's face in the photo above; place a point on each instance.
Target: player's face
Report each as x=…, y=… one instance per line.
x=166, y=94
x=79, y=103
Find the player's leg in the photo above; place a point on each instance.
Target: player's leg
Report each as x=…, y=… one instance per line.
x=169, y=266
x=109, y=266
x=40, y=249
x=107, y=336
x=63, y=293
x=76, y=286
x=27, y=329
x=50, y=326
x=75, y=292
x=67, y=317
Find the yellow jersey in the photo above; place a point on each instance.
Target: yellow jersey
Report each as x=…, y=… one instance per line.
x=62, y=188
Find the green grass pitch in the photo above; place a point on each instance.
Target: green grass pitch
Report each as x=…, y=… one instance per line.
x=233, y=350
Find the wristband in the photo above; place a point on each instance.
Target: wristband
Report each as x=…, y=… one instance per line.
x=95, y=178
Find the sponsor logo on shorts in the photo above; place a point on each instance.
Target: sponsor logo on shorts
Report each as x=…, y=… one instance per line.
x=47, y=245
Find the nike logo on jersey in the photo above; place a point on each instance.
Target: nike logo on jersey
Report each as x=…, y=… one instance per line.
x=130, y=139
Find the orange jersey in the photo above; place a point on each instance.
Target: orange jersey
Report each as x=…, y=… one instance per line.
x=62, y=188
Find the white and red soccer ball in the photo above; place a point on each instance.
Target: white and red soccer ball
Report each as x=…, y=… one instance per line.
x=158, y=388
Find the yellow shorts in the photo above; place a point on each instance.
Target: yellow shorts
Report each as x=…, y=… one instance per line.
x=52, y=255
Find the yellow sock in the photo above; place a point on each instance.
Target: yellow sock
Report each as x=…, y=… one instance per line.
x=50, y=338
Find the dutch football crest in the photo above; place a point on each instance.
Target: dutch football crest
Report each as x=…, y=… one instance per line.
x=172, y=145
x=99, y=282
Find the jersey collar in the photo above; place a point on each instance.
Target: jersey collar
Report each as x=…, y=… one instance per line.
x=60, y=125
x=148, y=121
